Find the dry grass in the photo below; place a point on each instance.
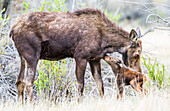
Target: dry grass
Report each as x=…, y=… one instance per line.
x=155, y=43
x=154, y=101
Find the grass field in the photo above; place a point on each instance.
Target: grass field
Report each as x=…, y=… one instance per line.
x=155, y=101
x=155, y=43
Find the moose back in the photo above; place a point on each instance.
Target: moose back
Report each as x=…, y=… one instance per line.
x=85, y=35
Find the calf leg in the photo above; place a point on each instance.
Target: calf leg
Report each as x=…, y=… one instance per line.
x=143, y=91
x=80, y=71
x=120, y=81
x=136, y=85
x=120, y=91
x=141, y=85
x=20, y=80
x=96, y=72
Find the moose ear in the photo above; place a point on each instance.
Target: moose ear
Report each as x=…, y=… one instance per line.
x=138, y=32
x=133, y=35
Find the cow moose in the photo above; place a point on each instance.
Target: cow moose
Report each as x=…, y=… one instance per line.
x=85, y=35
x=126, y=76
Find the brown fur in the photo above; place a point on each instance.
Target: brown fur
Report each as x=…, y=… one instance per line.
x=85, y=35
x=126, y=75
x=133, y=56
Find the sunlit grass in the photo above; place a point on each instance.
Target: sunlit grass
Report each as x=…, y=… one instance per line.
x=154, y=101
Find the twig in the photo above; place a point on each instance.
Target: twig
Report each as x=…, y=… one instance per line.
x=161, y=28
x=148, y=10
x=7, y=56
x=147, y=31
x=73, y=5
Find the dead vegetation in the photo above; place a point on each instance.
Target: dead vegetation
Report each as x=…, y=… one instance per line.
x=9, y=69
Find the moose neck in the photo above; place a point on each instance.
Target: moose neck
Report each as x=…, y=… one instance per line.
x=115, y=39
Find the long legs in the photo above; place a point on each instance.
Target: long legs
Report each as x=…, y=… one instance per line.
x=29, y=60
x=137, y=84
x=80, y=71
x=31, y=71
x=28, y=66
x=96, y=72
x=20, y=82
x=120, y=82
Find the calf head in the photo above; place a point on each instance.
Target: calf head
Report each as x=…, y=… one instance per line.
x=115, y=64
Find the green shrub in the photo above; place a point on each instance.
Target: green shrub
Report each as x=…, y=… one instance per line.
x=26, y=6
x=51, y=76
x=112, y=17
x=156, y=72
x=55, y=5
x=4, y=40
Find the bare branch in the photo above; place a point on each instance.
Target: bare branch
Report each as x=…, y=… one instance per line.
x=152, y=13
x=158, y=28
x=147, y=31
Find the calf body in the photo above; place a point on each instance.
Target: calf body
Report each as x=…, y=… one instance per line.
x=126, y=75
x=85, y=35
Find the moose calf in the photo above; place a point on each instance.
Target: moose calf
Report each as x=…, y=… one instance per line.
x=126, y=75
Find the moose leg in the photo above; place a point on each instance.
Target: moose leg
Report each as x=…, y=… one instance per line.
x=96, y=72
x=120, y=91
x=31, y=71
x=29, y=84
x=135, y=85
x=143, y=89
x=141, y=84
x=120, y=81
x=80, y=71
x=32, y=56
x=29, y=47
x=20, y=80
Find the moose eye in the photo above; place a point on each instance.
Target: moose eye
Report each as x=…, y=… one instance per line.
x=133, y=45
